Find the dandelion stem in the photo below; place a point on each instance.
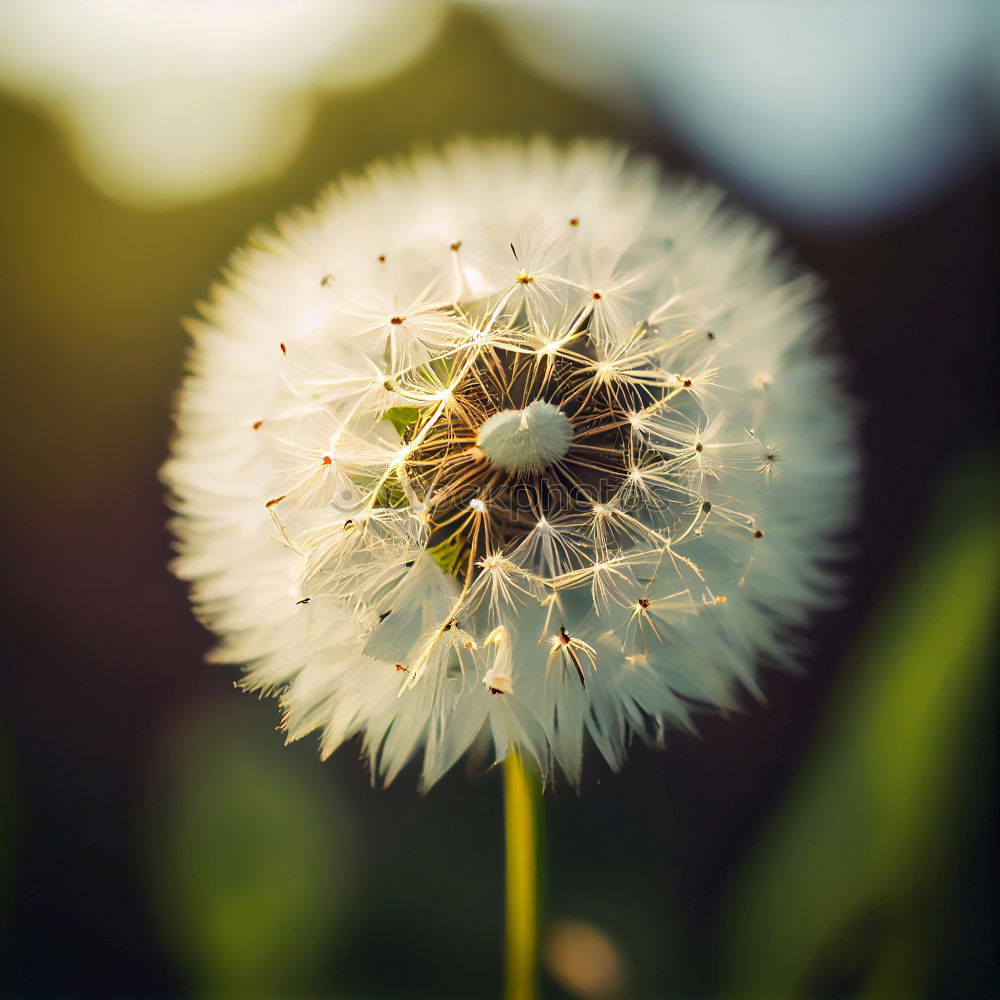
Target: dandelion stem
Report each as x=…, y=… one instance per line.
x=521, y=804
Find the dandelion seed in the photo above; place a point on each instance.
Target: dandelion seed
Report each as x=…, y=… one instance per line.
x=497, y=683
x=519, y=499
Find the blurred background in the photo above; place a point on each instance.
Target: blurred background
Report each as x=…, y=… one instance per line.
x=157, y=838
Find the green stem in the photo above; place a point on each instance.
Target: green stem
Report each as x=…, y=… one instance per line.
x=522, y=804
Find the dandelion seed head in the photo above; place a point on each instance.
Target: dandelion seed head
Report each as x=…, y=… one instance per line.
x=513, y=469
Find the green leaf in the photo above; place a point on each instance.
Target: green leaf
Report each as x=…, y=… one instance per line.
x=840, y=893
x=449, y=553
x=392, y=494
x=252, y=858
x=402, y=418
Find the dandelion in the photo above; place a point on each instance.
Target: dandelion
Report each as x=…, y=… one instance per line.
x=516, y=444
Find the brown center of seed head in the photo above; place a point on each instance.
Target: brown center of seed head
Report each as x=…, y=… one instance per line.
x=476, y=508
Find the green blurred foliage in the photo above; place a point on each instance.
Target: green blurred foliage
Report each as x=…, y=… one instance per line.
x=253, y=858
x=845, y=893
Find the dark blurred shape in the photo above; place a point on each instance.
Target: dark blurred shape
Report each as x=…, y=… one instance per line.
x=252, y=861
x=842, y=896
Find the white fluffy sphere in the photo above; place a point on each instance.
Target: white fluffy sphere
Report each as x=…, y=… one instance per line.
x=511, y=443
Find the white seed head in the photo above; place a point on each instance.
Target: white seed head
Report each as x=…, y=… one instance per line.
x=481, y=449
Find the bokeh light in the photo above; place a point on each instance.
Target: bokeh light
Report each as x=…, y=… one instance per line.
x=167, y=102
x=835, y=114
x=584, y=960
